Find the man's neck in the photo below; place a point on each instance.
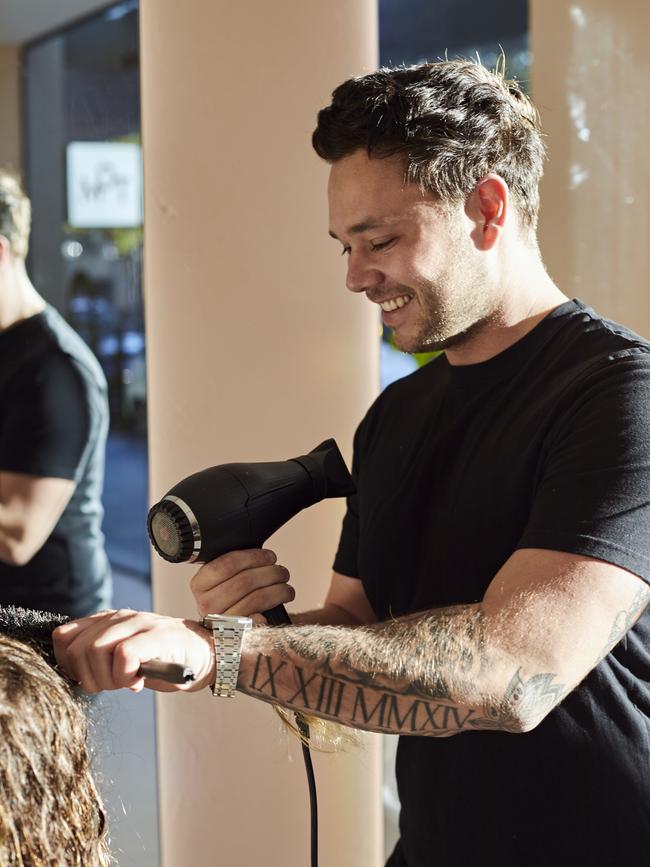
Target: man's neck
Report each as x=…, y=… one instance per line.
x=19, y=299
x=519, y=311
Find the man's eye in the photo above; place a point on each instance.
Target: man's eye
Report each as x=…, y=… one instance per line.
x=345, y=251
x=381, y=245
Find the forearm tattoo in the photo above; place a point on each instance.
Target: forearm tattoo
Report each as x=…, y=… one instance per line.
x=420, y=675
x=624, y=620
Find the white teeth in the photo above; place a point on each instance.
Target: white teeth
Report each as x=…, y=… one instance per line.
x=395, y=303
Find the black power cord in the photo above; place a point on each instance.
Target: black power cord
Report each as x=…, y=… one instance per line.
x=303, y=728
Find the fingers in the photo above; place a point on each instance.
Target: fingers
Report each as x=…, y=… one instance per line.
x=66, y=635
x=263, y=599
x=129, y=654
x=105, y=651
x=223, y=568
x=84, y=649
x=241, y=583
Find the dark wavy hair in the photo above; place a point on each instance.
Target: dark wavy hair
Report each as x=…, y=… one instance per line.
x=453, y=122
x=51, y=814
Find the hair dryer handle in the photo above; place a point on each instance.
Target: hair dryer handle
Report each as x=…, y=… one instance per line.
x=277, y=616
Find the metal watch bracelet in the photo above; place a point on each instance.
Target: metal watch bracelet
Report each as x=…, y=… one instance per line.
x=227, y=634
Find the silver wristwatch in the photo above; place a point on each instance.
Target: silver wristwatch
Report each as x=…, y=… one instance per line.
x=228, y=634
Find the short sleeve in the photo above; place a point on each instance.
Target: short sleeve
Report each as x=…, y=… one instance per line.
x=45, y=420
x=593, y=497
x=347, y=555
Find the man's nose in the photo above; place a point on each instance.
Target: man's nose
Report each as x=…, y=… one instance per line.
x=360, y=275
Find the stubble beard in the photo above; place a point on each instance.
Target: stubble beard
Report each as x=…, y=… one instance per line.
x=450, y=327
x=443, y=325
x=451, y=311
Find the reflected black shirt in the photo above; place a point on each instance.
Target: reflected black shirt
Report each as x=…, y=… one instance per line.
x=53, y=423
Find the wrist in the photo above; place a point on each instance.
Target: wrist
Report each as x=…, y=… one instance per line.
x=227, y=637
x=205, y=675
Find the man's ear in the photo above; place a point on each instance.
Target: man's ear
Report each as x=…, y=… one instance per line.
x=488, y=207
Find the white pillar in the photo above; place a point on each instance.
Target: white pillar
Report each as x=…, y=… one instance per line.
x=255, y=352
x=591, y=82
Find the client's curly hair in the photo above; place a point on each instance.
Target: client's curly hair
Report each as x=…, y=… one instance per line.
x=50, y=812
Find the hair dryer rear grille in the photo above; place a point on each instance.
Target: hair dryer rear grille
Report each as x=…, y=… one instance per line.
x=170, y=531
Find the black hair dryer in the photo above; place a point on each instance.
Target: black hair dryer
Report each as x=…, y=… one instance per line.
x=236, y=506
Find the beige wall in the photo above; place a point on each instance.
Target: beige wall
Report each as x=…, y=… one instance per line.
x=591, y=82
x=10, y=137
x=256, y=352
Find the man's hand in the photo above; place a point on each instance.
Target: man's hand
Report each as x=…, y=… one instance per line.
x=242, y=584
x=105, y=650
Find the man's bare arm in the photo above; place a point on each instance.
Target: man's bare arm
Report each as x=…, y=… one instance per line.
x=346, y=604
x=30, y=506
x=502, y=664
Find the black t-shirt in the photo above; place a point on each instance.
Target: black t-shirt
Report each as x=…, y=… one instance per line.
x=53, y=424
x=546, y=445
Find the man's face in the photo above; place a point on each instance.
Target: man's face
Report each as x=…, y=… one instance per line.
x=409, y=253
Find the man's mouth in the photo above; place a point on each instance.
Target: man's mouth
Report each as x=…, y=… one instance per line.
x=394, y=303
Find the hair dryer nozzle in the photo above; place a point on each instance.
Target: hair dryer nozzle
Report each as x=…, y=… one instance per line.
x=328, y=471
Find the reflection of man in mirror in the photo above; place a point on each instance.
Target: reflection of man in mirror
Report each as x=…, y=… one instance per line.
x=53, y=425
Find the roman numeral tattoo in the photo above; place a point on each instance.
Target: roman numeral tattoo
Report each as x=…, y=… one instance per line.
x=357, y=701
x=264, y=668
x=425, y=674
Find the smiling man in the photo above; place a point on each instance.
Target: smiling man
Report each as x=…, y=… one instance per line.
x=436, y=271
x=490, y=590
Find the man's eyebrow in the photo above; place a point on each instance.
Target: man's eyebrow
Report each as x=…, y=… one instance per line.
x=364, y=226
